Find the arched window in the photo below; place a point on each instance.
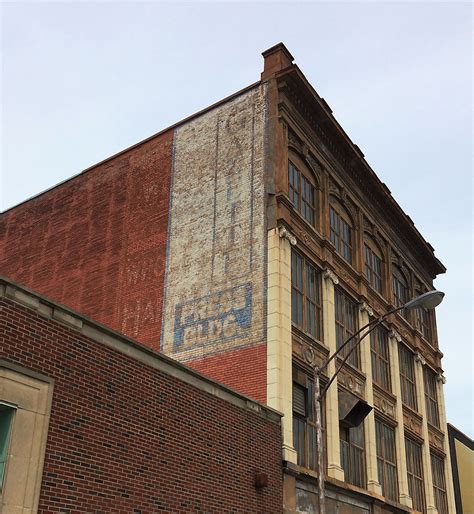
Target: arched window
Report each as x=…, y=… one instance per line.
x=301, y=190
x=400, y=290
x=341, y=231
x=373, y=264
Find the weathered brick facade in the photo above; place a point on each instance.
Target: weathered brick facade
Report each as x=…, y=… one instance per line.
x=164, y=242
x=97, y=242
x=133, y=431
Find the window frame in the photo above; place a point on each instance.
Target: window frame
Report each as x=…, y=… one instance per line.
x=431, y=396
x=7, y=415
x=300, y=300
x=343, y=331
x=356, y=466
x=380, y=358
x=373, y=254
x=341, y=231
x=307, y=458
x=406, y=362
x=385, y=461
x=416, y=486
x=400, y=290
x=302, y=192
x=424, y=319
x=440, y=491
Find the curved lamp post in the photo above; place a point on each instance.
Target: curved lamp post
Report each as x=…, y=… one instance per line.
x=428, y=300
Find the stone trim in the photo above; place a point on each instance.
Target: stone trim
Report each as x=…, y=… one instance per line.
x=118, y=342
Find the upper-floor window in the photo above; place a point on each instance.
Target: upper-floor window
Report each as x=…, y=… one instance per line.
x=386, y=459
x=341, y=232
x=407, y=376
x=439, y=484
x=304, y=425
x=302, y=193
x=431, y=396
x=424, y=320
x=415, y=474
x=380, y=357
x=353, y=454
x=305, y=295
x=373, y=265
x=400, y=290
x=346, y=325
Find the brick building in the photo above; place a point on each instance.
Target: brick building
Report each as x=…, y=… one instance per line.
x=249, y=241
x=94, y=422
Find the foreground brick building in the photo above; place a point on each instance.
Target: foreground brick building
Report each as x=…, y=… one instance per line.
x=249, y=241
x=97, y=423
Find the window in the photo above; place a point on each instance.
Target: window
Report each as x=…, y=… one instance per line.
x=6, y=417
x=341, y=233
x=373, y=266
x=439, y=484
x=386, y=459
x=305, y=295
x=431, y=396
x=302, y=193
x=353, y=454
x=400, y=290
x=346, y=325
x=424, y=320
x=415, y=474
x=407, y=377
x=380, y=358
x=304, y=425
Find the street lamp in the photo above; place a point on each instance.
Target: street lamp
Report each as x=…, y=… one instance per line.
x=428, y=300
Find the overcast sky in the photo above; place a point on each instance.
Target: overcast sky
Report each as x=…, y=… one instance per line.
x=81, y=81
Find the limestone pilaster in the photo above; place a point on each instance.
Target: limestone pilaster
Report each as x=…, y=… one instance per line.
x=403, y=492
x=279, y=350
x=334, y=468
x=373, y=483
x=428, y=477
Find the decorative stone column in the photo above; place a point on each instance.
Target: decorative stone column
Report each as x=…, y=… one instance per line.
x=373, y=483
x=447, y=461
x=279, y=347
x=403, y=492
x=427, y=475
x=334, y=468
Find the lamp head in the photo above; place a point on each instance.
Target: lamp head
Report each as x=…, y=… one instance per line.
x=428, y=300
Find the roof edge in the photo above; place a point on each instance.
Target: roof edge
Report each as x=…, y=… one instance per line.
x=139, y=143
x=54, y=311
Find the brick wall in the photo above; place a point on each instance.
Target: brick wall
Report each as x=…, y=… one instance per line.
x=127, y=437
x=97, y=243
x=165, y=242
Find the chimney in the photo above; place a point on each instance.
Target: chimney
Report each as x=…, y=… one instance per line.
x=276, y=58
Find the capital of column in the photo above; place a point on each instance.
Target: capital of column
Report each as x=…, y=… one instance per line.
x=441, y=378
x=419, y=358
x=395, y=335
x=330, y=275
x=284, y=233
x=364, y=307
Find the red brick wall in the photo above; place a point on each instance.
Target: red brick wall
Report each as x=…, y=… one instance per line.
x=97, y=243
x=124, y=437
x=243, y=369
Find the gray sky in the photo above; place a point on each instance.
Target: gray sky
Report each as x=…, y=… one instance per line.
x=81, y=81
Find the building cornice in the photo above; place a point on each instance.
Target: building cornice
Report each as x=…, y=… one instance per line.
x=317, y=113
